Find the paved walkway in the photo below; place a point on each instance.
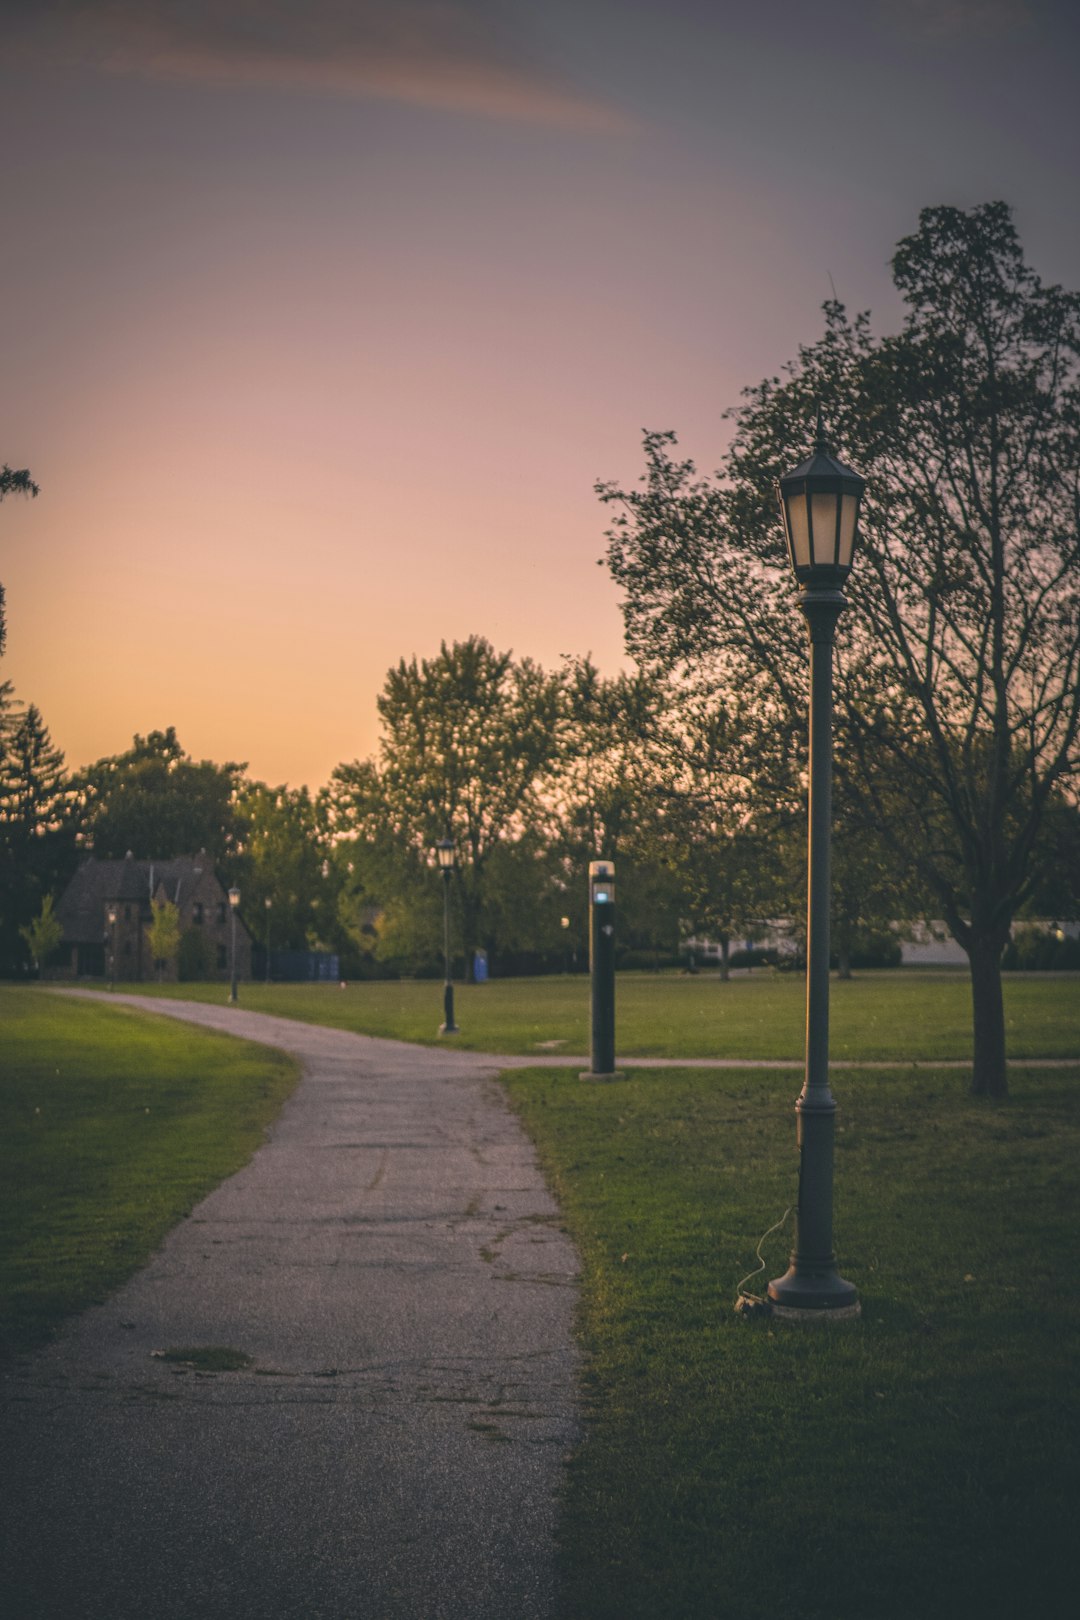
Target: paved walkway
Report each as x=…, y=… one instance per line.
x=394, y=1265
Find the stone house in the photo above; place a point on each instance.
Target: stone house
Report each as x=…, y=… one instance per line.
x=94, y=947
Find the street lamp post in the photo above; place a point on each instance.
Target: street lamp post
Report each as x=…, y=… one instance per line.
x=444, y=849
x=234, y=901
x=111, y=914
x=269, y=904
x=819, y=504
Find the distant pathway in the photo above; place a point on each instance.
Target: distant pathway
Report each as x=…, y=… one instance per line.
x=393, y=1263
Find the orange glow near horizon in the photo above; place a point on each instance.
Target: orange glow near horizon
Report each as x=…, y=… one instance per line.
x=316, y=372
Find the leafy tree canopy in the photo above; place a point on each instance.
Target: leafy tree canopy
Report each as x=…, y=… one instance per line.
x=12, y=482
x=157, y=802
x=284, y=858
x=43, y=934
x=467, y=737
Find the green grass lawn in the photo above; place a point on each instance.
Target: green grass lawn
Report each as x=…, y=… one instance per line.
x=922, y=1464
x=884, y=1015
x=113, y=1124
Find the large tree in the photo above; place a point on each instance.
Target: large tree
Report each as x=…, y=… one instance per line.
x=602, y=802
x=285, y=859
x=467, y=737
x=959, y=657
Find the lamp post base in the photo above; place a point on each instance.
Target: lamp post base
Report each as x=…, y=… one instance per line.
x=811, y=1318
x=448, y=1026
x=803, y=1297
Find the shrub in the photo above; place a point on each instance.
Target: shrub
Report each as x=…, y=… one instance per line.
x=756, y=956
x=638, y=961
x=877, y=951
x=194, y=959
x=1039, y=950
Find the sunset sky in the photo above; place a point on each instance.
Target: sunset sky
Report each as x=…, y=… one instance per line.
x=321, y=319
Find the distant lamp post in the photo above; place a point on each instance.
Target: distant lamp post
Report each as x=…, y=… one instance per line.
x=110, y=938
x=234, y=901
x=444, y=849
x=269, y=907
x=819, y=504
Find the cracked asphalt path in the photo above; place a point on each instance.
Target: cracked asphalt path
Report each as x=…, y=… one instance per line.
x=393, y=1263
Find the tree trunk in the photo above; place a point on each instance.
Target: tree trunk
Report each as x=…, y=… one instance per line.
x=725, y=956
x=988, y=1077
x=843, y=961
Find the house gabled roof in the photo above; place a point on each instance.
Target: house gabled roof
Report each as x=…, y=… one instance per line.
x=81, y=908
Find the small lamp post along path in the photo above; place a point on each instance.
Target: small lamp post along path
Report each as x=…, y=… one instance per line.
x=444, y=849
x=234, y=901
x=269, y=906
x=819, y=503
x=602, y=973
x=111, y=914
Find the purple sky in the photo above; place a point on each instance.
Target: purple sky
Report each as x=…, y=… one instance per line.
x=321, y=319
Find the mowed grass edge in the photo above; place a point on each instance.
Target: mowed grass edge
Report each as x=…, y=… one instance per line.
x=113, y=1125
x=876, y=1016
x=922, y=1462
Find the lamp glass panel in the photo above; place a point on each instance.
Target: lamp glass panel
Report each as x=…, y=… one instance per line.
x=799, y=530
x=848, y=516
x=823, y=519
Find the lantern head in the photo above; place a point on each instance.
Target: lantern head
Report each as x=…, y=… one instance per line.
x=819, y=505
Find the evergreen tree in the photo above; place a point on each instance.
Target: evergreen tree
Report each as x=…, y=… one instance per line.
x=37, y=840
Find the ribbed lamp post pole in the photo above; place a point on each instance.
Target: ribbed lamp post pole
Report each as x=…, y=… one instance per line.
x=234, y=901
x=819, y=503
x=111, y=914
x=444, y=849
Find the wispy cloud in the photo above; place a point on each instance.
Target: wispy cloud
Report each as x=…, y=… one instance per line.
x=463, y=55
x=949, y=20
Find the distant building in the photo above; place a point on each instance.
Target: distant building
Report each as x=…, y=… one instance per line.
x=92, y=948
x=929, y=944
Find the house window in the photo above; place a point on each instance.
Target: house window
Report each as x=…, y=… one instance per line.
x=222, y=958
x=221, y=913
x=197, y=912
